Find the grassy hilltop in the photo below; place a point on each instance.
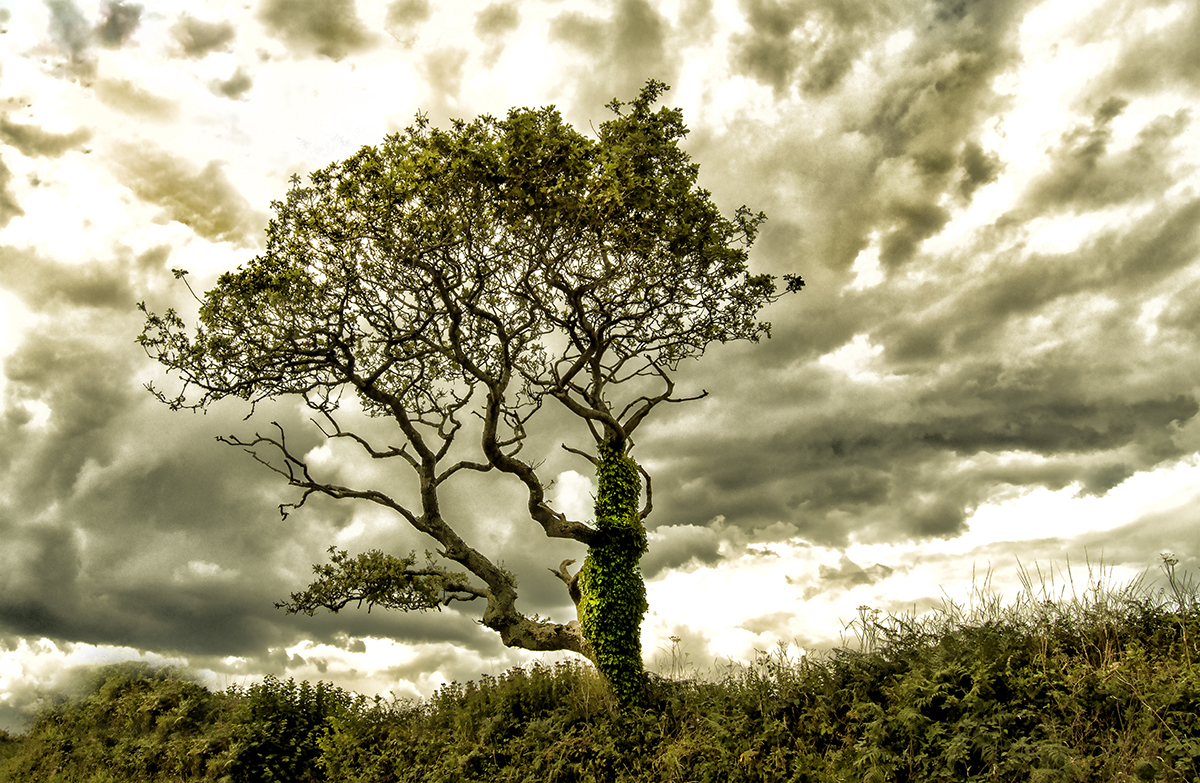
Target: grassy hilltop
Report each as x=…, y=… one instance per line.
x=1103, y=687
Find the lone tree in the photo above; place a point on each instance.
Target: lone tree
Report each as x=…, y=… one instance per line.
x=457, y=281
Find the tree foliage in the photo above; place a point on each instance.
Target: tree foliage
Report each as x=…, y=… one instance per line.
x=455, y=281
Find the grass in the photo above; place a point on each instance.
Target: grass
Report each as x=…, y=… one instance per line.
x=1070, y=682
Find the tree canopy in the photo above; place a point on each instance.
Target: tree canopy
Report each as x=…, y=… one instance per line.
x=455, y=281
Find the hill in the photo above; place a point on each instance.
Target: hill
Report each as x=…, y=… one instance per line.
x=1102, y=687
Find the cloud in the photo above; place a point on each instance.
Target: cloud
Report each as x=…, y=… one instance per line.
x=9, y=207
x=1084, y=175
x=493, y=24
x=330, y=28
x=819, y=41
x=32, y=141
x=443, y=71
x=235, y=86
x=675, y=546
x=203, y=200
x=979, y=168
x=71, y=31
x=408, y=13
x=125, y=96
x=845, y=576
x=39, y=282
x=1149, y=57
x=198, y=38
x=497, y=20
x=404, y=17
x=1031, y=354
x=68, y=27
x=120, y=20
x=696, y=20
x=621, y=52
x=94, y=471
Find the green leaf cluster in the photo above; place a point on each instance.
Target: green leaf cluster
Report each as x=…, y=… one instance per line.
x=376, y=579
x=613, y=593
x=275, y=730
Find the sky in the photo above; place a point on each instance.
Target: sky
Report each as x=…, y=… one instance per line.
x=995, y=205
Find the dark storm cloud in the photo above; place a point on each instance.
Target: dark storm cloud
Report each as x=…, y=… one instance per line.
x=198, y=37
x=579, y=30
x=235, y=86
x=9, y=207
x=964, y=370
x=894, y=154
x=32, y=141
x=979, y=168
x=117, y=535
x=680, y=545
x=330, y=28
x=815, y=41
x=623, y=50
x=123, y=95
x=204, y=200
x=974, y=314
x=119, y=21
x=126, y=524
x=1083, y=174
x=901, y=457
x=1181, y=316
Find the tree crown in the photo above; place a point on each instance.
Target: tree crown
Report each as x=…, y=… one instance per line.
x=515, y=254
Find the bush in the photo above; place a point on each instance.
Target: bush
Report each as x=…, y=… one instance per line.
x=275, y=729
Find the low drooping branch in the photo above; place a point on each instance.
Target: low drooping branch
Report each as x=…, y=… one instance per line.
x=378, y=579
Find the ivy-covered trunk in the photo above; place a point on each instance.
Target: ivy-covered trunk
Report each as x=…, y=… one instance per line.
x=612, y=593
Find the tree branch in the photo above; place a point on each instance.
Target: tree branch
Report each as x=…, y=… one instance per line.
x=571, y=581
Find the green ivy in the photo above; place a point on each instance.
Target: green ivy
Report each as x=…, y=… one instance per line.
x=613, y=595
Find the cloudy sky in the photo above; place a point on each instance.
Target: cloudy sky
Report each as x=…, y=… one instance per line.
x=995, y=203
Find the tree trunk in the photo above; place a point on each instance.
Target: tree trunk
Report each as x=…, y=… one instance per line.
x=612, y=593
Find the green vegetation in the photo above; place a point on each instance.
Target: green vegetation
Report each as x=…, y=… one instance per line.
x=613, y=595
x=1099, y=687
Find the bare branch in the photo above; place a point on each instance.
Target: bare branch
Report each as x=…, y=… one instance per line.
x=571, y=581
x=583, y=454
x=481, y=467
x=645, y=512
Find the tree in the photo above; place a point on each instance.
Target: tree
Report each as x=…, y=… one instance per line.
x=457, y=281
